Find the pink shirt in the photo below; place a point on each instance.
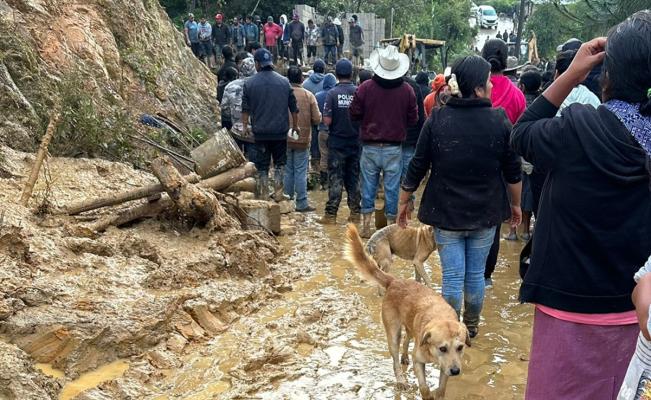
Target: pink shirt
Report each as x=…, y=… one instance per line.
x=506, y=95
x=623, y=318
x=271, y=33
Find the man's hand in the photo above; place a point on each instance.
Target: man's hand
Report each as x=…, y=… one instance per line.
x=405, y=207
x=516, y=217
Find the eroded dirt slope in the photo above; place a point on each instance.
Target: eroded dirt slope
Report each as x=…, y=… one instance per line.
x=125, y=55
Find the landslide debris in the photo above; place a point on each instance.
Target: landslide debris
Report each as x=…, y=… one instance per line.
x=78, y=300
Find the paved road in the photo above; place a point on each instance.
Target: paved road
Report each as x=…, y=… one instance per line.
x=485, y=34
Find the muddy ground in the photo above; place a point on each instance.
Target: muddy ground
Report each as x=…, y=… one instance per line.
x=160, y=311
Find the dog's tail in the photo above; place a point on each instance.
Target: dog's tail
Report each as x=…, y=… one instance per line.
x=357, y=255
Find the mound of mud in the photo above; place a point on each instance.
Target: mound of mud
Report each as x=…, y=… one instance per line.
x=77, y=300
x=104, y=61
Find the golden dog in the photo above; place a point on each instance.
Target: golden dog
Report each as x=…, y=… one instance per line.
x=439, y=336
x=412, y=244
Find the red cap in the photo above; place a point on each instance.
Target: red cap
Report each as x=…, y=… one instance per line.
x=219, y=16
x=438, y=83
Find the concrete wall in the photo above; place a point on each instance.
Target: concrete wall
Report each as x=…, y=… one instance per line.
x=374, y=28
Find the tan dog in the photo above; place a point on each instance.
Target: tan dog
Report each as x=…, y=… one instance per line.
x=439, y=336
x=412, y=244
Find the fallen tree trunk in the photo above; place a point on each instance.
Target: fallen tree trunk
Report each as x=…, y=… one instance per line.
x=192, y=201
x=218, y=182
x=40, y=156
x=245, y=185
x=147, y=210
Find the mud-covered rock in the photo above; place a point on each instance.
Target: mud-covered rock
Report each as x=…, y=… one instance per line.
x=20, y=380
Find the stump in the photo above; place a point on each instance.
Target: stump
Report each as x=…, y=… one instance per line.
x=192, y=201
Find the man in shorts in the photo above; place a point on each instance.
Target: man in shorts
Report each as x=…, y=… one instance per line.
x=356, y=37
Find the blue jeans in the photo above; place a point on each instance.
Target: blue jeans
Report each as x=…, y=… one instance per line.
x=463, y=258
x=296, y=176
x=330, y=50
x=388, y=161
x=407, y=155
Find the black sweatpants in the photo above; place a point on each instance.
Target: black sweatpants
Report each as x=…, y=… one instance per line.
x=263, y=151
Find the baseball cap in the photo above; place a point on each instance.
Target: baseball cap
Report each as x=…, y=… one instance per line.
x=263, y=57
x=219, y=17
x=270, y=19
x=571, y=44
x=344, y=67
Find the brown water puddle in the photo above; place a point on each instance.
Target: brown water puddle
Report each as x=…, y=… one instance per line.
x=88, y=380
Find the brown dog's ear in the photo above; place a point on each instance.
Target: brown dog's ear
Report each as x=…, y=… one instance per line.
x=425, y=338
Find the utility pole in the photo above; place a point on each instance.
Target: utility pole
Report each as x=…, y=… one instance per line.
x=518, y=39
x=391, y=24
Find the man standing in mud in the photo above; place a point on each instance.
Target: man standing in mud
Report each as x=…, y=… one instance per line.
x=268, y=98
x=343, y=146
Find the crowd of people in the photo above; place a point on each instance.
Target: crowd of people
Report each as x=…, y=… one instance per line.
x=286, y=39
x=498, y=144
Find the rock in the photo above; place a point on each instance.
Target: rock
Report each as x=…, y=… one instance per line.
x=176, y=343
x=86, y=245
x=288, y=230
x=46, y=345
x=304, y=337
x=162, y=359
x=287, y=206
x=262, y=214
x=187, y=326
x=20, y=380
x=206, y=319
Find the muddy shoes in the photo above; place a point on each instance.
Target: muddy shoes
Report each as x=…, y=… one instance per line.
x=262, y=186
x=366, y=225
x=355, y=217
x=279, y=188
x=327, y=219
x=472, y=323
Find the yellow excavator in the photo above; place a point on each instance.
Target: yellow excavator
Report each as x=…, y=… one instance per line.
x=416, y=49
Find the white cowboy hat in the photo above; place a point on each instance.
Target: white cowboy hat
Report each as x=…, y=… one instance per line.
x=389, y=63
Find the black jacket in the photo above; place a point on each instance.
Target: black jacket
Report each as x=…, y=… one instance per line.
x=220, y=35
x=466, y=145
x=414, y=131
x=269, y=97
x=594, y=221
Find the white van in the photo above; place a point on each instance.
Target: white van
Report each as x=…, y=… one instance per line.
x=486, y=17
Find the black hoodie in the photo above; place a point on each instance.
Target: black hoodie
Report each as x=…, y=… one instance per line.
x=413, y=132
x=594, y=224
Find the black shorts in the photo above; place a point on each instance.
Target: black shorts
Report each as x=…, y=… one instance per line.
x=196, y=49
x=206, y=48
x=311, y=51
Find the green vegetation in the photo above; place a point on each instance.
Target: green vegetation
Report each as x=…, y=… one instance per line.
x=88, y=127
x=554, y=22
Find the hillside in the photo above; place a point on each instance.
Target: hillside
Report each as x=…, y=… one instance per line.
x=105, y=63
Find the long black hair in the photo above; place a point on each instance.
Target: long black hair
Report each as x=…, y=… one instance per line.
x=471, y=72
x=627, y=67
x=496, y=52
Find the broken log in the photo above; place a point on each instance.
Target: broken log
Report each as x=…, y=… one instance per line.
x=40, y=156
x=147, y=210
x=245, y=185
x=218, y=182
x=191, y=200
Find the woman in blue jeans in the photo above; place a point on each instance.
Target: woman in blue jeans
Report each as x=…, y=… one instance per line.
x=466, y=145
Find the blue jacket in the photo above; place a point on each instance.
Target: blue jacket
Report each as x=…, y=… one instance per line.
x=251, y=33
x=237, y=35
x=328, y=82
x=268, y=98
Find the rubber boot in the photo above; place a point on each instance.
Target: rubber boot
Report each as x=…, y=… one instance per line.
x=323, y=180
x=279, y=186
x=366, y=225
x=262, y=187
x=380, y=219
x=472, y=323
x=328, y=219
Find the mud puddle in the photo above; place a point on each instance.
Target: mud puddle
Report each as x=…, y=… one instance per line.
x=322, y=338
